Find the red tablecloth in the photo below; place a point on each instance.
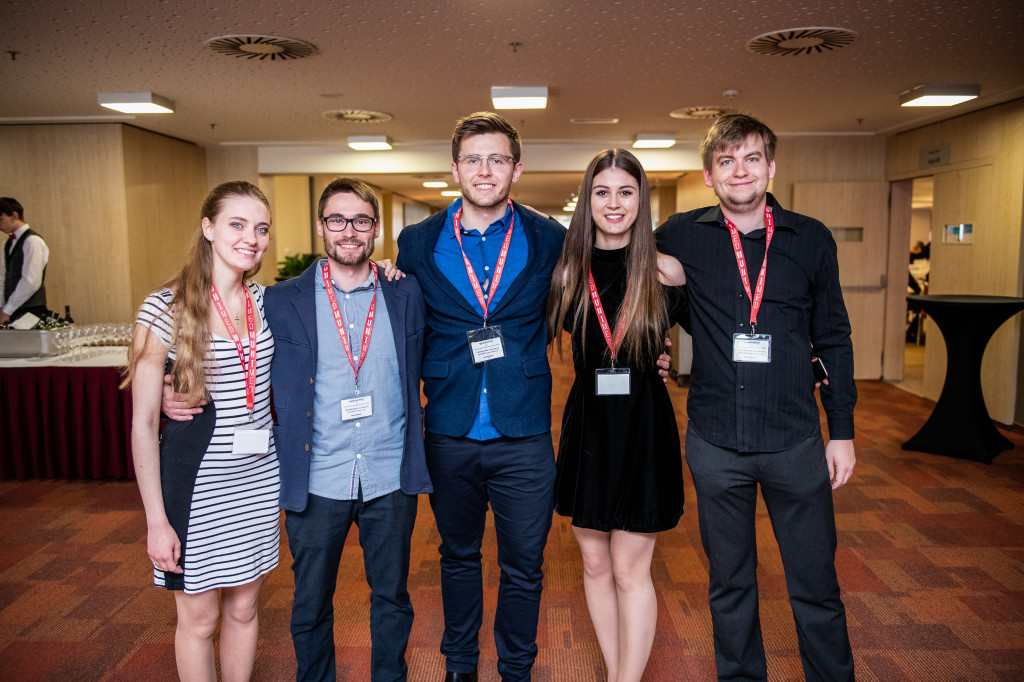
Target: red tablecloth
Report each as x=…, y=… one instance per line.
x=64, y=422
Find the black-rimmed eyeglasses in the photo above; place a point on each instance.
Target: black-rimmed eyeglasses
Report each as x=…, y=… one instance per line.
x=338, y=223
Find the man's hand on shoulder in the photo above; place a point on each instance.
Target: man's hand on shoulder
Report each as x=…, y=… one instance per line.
x=841, y=459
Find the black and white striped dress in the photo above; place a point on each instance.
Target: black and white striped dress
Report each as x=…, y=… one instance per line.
x=224, y=507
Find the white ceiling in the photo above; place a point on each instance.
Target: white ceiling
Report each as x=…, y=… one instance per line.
x=426, y=64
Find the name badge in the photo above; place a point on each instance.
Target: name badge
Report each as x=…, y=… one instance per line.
x=752, y=348
x=356, y=408
x=612, y=381
x=486, y=344
x=251, y=440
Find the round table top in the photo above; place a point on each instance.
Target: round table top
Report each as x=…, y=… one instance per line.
x=965, y=299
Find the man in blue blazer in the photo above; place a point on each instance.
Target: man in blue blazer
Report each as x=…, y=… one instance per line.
x=485, y=267
x=349, y=434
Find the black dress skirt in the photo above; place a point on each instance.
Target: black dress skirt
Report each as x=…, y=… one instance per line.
x=619, y=461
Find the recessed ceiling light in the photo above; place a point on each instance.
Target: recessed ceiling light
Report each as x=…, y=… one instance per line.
x=369, y=143
x=519, y=98
x=451, y=193
x=938, y=95
x=593, y=121
x=135, y=102
x=653, y=141
x=435, y=184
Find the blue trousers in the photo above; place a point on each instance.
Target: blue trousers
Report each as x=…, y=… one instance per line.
x=798, y=496
x=316, y=537
x=516, y=477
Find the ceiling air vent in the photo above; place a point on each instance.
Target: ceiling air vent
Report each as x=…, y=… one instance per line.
x=796, y=41
x=704, y=113
x=357, y=116
x=262, y=47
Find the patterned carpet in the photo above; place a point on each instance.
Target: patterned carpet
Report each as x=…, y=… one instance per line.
x=931, y=562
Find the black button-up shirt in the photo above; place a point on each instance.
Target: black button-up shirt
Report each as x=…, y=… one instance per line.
x=755, y=407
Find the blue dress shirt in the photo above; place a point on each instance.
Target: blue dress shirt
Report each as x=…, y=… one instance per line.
x=482, y=250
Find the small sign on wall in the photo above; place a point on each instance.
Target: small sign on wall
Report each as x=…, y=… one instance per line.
x=937, y=155
x=958, y=234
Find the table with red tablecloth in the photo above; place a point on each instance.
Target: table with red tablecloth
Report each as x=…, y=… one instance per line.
x=65, y=418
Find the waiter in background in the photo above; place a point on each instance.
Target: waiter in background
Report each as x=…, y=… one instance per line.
x=23, y=267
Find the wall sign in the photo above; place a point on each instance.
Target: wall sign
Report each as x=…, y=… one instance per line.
x=958, y=234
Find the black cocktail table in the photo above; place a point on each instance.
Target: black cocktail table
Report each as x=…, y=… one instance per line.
x=960, y=425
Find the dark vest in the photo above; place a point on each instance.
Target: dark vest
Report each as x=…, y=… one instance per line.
x=13, y=264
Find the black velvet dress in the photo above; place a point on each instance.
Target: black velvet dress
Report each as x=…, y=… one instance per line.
x=619, y=462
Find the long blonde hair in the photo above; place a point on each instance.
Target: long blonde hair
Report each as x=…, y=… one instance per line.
x=190, y=307
x=643, y=313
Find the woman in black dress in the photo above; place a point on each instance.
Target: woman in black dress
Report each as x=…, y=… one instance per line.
x=619, y=466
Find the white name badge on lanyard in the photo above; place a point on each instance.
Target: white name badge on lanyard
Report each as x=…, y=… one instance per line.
x=752, y=348
x=611, y=381
x=486, y=344
x=250, y=439
x=356, y=408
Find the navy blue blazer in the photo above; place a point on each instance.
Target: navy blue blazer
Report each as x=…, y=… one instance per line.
x=519, y=384
x=290, y=308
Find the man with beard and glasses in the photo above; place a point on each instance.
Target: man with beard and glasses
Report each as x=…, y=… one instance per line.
x=349, y=433
x=764, y=297
x=485, y=266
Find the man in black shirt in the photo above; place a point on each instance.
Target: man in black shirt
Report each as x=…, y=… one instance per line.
x=756, y=321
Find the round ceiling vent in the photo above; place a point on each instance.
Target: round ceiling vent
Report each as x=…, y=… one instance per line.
x=794, y=41
x=701, y=112
x=357, y=116
x=262, y=47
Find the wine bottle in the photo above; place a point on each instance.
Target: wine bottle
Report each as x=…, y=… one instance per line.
x=67, y=315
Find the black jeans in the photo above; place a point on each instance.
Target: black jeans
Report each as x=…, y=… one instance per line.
x=316, y=537
x=798, y=496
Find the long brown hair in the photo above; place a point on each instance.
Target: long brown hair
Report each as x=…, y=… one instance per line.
x=643, y=313
x=190, y=307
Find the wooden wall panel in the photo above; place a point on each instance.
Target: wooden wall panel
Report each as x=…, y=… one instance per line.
x=165, y=184
x=232, y=163
x=692, y=193
x=293, y=231
x=826, y=159
x=981, y=184
x=70, y=180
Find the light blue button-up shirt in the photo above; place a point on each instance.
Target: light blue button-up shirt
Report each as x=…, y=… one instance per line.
x=364, y=453
x=482, y=250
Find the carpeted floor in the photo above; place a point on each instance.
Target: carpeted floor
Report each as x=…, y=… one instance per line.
x=931, y=561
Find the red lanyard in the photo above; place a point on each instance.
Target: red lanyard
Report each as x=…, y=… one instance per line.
x=340, y=323
x=741, y=261
x=613, y=345
x=502, y=255
x=250, y=323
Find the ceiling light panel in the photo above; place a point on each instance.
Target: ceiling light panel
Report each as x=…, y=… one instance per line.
x=519, y=98
x=135, y=102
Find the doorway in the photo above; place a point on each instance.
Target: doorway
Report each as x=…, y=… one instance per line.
x=919, y=267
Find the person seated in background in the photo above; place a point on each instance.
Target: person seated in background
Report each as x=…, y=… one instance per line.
x=23, y=267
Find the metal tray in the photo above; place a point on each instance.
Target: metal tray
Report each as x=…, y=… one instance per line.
x=27, y=343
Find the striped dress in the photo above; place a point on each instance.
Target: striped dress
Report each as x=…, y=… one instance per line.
x=224, y=507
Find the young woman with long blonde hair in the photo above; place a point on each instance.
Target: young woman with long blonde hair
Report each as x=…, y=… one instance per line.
x=210, y=485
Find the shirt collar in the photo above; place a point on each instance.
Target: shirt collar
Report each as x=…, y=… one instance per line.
x=365, y=286
x=781, y=216
x=497, y=226
x=20, y=231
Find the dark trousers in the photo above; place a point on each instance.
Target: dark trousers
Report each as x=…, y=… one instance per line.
x=798, y=496
x=516, y=477
x=316, y=537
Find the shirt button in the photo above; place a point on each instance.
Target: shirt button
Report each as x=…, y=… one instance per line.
x=485, y=390
x=347, y=297
x=308, y=413
x=358, y=456
x=741, y=325
x=739, y=296
x=742, y=387
x=487, y=267
x=357, y=425
x=351, y=325
x=483, y=239
x=311, y=380
x=307, y=447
